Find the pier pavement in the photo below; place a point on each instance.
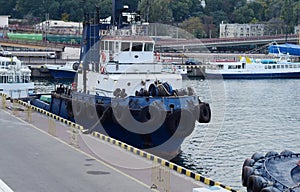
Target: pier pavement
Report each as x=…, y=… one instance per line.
x=42, y=153
x=33, y=160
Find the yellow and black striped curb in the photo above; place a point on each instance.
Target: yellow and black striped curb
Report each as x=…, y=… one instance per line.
x=163, y=162
x=2, y=94
x=56, y=117
x=156, y=159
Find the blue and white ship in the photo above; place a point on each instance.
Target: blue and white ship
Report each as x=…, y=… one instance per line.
x=246, y=68
x=122, y=91
x=67, y=71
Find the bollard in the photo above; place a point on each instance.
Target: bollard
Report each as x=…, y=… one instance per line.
x=29, y=114
x=3, y=101
x=15, y=107
x=52, y=127
x=160, y=177
x=74, y=137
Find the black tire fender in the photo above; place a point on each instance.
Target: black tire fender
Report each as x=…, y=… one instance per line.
x=286, y=152
x=203, y=112
x=255, y=183
x=257, y=156
x=248, y=162
x=246, y=172
x=270, y=189
x=271, y=154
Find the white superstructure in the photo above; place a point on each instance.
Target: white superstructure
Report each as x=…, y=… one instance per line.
x=127, y=63
x=15, y=79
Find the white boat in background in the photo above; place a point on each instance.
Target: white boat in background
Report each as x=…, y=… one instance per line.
x=246, y=68
x=15, y=79
x=66, y=71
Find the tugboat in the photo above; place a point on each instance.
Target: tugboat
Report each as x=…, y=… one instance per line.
x=272, y=172
x=122, y=91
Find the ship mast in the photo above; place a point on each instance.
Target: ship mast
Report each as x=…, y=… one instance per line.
x=90, y=46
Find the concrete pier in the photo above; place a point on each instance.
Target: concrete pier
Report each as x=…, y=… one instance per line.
x=43, y=152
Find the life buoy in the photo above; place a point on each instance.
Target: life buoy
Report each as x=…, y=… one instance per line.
x=203, y=112
x=102, y=70
x=157, y=56
x=75, y=66
x=74, y=86
x=103, y=57
x=179, y=123
x=174, y=68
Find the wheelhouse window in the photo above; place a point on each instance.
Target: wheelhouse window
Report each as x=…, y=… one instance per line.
x=148, y=47
x=111, y=45
x=125, y=46
x=102, y=45
x=220, y=66
x=137, y=46
x=234, y=66
x=106, y=47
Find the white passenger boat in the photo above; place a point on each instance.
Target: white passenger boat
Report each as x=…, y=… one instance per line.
x=246, y=68
x=15, y=79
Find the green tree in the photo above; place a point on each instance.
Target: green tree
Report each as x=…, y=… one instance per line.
x=7, y=7
x=193, y=25
x=180, y=9
x=37, y=8
x=243, y=15
x=258, y=10
x=297, y=12
x=287, y=15
x=156, y=11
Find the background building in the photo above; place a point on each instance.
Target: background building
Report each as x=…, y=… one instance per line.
x=4, y=21
x=241, y=30
x=59, y=27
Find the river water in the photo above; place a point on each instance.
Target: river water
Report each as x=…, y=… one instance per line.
x=248, y=116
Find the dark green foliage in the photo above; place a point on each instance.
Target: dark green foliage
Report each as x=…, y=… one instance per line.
x=279, y=15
